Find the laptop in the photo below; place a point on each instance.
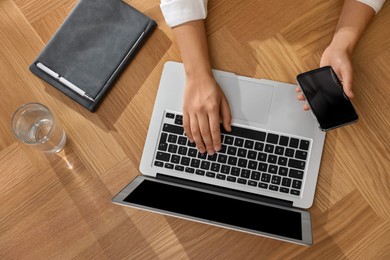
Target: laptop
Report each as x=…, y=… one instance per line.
x=260, y=182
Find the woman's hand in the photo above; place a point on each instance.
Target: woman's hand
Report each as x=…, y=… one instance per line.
x=204, y=105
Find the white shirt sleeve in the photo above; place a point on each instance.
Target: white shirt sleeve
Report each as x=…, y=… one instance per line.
x=375, y=4
x=177, y=12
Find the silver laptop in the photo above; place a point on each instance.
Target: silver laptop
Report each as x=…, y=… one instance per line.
x=261, y=180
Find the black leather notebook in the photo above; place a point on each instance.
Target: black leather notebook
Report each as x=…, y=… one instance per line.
x=91, y=48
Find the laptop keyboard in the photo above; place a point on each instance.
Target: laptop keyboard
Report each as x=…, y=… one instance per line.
x=248, y=157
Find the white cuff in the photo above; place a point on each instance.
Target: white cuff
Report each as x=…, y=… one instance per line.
x=375, y=4
x=177, y=12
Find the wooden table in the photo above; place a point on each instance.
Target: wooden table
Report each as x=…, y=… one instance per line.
x=60, y=206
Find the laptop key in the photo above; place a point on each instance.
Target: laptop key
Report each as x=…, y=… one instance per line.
x=304, y=145
x=238, y=142
x=263, y=167
x=242, y=162
x=179, y=121
x=158, y=164
x=205, y=165
x=169, y=115
x=182, y=140
x=235, y=171
x=269, y=148
x=232, y=160
x=161, y=156
x=231, y=179
x=200, y=172
x=232, y=150
x=252, y=154
x=283, y=140
x=295, y=174
x=192, y=152
x=279, y=150
x=262, y=157
x=174, y=129
x=222, y=158
x=210, y=174
x=272, y=169
x=175, y=159
x=282, y=161
x=245, y=173
x=225, y=169
x=295, y=192
x=202, y=155
x=252, y=165
x=294, y=143
x=163, y=147
x=172, y=138
x=215, y=167
x=179, y=168
x=172, y=148
x=286, y=182
x=190, y=170
x=296, y=184
x=289, y=152
x=298, y=164
x=259, y=146
x=241, y=153
x=255, y=175
x=300, y=154
x=185, y=161
x=241, y=181
x=182, y=150
x=249, y=144
x=221, y=176
x=283, y=171
x=212, y=157
x=272, y=158
x=262, y=185
x=276, y=179
x=195, y=163
x=229, y=139
x=265, y=177
x=272, y=138
x=284, y=190
x=168, y=165
x=252, y=183
x=273, y=187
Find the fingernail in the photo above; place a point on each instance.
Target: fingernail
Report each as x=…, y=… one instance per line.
x=217, y=148
x=210, y=152
x=202, y=150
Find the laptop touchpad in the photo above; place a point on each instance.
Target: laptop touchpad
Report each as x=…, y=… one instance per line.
x=248, y=100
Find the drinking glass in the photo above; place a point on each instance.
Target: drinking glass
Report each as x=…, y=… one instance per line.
x=35, y=125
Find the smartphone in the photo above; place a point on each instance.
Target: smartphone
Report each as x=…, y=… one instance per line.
x=328, y=102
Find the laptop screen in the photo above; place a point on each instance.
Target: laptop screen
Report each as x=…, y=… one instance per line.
x=217, y=209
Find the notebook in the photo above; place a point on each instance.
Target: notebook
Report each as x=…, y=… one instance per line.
x=260, y=182
x=91, y=48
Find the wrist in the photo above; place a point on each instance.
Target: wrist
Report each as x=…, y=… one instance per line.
x=345, y=41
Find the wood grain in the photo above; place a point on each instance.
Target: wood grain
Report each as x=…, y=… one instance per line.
x=60, y=206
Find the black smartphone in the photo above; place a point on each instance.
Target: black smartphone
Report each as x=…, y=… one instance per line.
x=328, y=102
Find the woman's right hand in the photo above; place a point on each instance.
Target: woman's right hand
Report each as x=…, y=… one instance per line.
x=204, y=105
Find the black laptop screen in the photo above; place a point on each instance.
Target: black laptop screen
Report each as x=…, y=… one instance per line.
x=218, y=209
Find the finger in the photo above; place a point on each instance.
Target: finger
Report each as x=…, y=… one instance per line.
x=301, y=97
x=298, y=89
x=306, y=107
x=215, y=130
x=205, y=132
x=187, y=127
x=226, y=114
x=347, y=78
x=196, y=134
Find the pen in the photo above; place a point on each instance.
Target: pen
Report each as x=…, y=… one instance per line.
x=64, y=81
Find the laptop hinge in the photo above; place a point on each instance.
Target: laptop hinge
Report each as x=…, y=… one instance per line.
x=224, y=190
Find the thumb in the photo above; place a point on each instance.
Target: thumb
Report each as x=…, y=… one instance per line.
x=347, y=79
x=226, y=114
